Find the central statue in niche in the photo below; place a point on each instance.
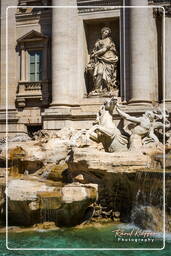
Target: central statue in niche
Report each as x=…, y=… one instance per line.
x=103, y=65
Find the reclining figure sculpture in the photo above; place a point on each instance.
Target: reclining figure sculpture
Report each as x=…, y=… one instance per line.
x=148, y=128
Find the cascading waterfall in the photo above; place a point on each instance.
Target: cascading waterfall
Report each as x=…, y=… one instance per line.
x=45, y=208
x=49, y=204
x=147, y=208
x=149, y=193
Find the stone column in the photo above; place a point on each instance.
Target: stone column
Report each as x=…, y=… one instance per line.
x=45, y=61
x=11, y=84
x=0, y=52
x=142, y=70
x=124, y=53
x=64, y=53
x=11, y=76
x=168, y=59
x=23, y=78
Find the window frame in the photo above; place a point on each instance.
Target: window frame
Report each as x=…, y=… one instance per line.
x=32, y=41
x=37, y=75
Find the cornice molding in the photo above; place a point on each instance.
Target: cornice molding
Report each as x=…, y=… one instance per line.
x=33, y=2
x=91, y=3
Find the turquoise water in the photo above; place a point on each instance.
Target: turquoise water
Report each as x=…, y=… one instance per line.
x=91, y=237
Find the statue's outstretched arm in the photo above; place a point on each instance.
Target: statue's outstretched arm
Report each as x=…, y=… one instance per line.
x=127, y=117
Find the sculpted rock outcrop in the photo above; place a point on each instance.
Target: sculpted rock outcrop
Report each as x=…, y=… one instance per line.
x=32, y=155
x=92, y=160
x=35, y=201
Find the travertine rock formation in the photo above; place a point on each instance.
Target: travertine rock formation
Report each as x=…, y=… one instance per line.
x=84, y=159
x=35, y=201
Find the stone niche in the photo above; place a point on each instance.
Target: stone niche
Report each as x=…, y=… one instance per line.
x=92, y=30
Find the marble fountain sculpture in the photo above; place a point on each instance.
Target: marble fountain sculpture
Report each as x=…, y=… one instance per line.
x=142, y=130
x=128, y=167
x=105, y=131
x=69, y=176
x=103, y=65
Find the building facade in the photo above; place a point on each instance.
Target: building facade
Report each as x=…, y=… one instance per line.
x=46, y=45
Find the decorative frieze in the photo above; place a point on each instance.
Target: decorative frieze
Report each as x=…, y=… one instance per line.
x=158, y=12
x=159, y=2
x=168, y=10
x=85, y=6
x=99, y=2
x=24, y=12
x=33, y=2
x=33, y=86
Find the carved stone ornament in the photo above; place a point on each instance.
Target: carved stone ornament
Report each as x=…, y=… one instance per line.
x=159, y=11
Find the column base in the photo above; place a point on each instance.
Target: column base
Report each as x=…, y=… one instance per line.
x=58, y=104
x=11, y=127
x=59, y=117
x=65, y=102
x=139, y=102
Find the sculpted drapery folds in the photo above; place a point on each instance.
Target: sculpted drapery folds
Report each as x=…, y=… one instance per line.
x=103, y=64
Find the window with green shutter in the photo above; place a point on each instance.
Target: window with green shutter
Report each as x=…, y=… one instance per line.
x=35, y=59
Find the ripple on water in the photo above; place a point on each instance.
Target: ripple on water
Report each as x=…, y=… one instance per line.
x=87, y=237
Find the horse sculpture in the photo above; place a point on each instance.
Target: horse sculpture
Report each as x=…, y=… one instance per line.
x=105, y=131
